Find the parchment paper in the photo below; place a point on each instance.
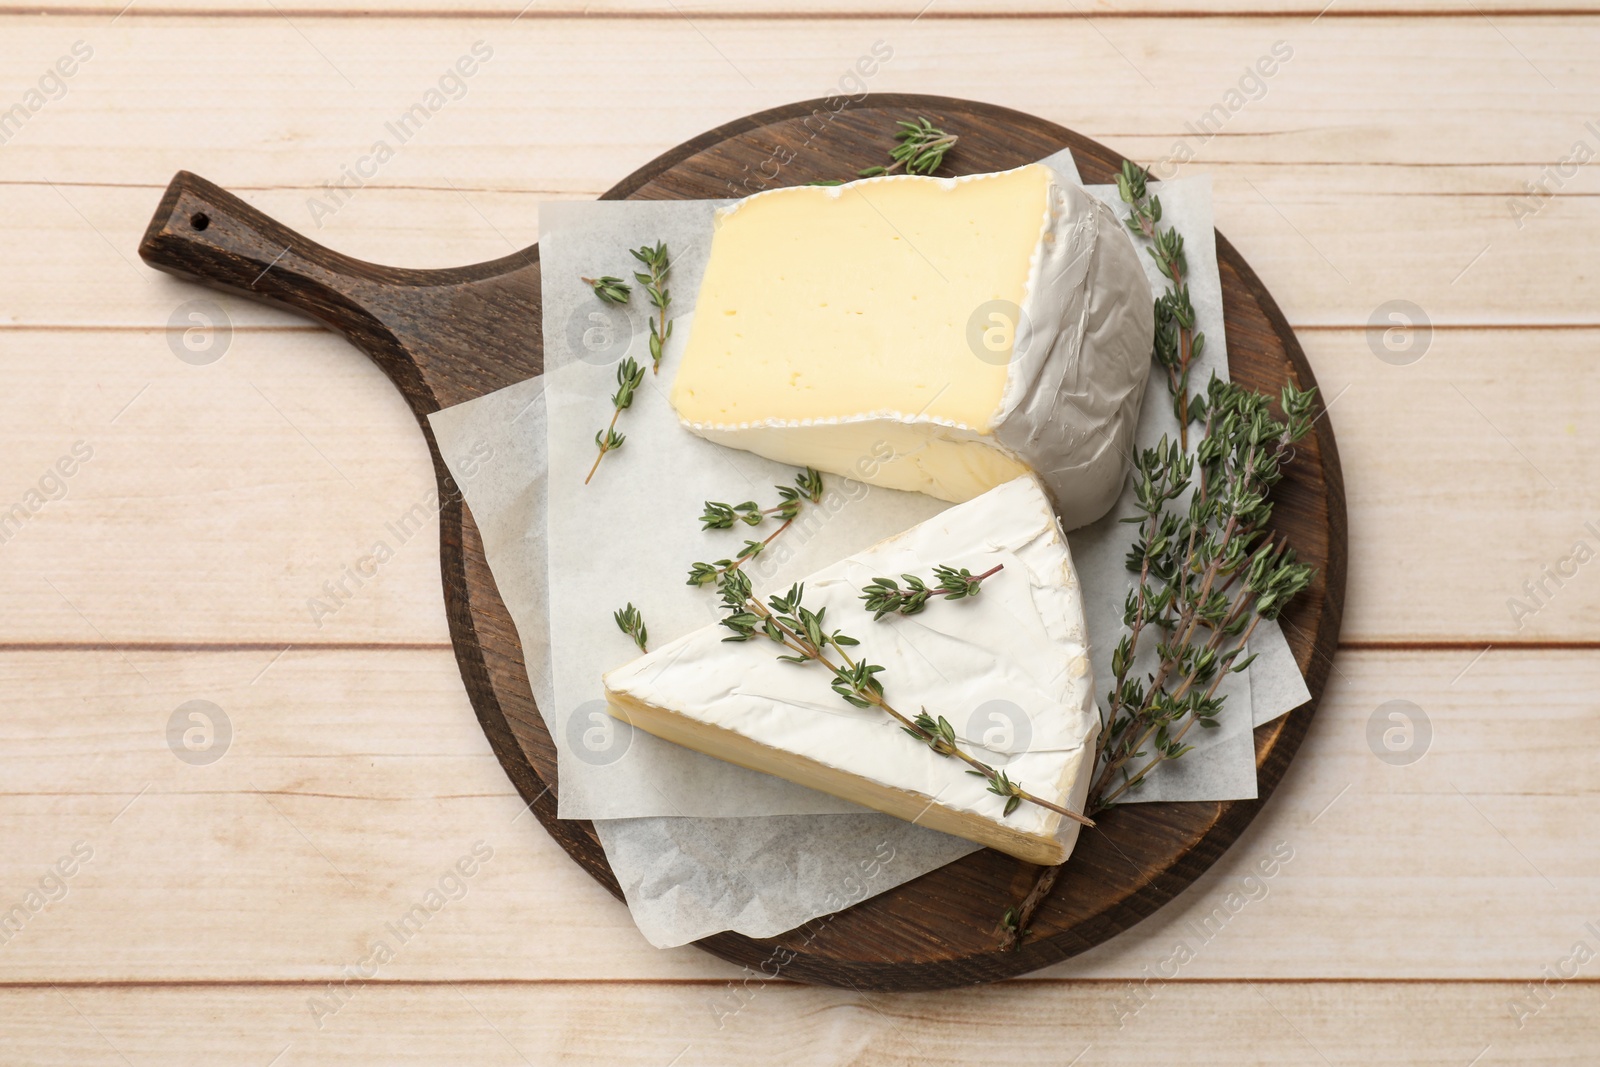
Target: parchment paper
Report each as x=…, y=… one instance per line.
x=629, y=535
x=684, y=878
x=688, y=877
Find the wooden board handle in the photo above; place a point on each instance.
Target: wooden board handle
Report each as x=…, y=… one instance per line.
x=425, y=328
x=206, y=234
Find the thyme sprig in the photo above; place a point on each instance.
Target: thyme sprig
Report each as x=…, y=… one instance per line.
x=654, y=280
x=629, y=377
x=1208, y=568
x=609, y=289
x=1177, y=344
x=630, y=622
x=805, y=637
x=1208, y=574
x=883, y=596
x=922, y=148
x=807, y=489
x=807, y=486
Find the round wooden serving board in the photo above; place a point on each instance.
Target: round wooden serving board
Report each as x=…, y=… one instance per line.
x=447, y=336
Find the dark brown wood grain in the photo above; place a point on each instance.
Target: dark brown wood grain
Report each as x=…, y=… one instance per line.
x=447, y=336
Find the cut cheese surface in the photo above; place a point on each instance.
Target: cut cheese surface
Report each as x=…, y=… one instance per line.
x=1009, y=669
x=930, y=334
x=794, y=292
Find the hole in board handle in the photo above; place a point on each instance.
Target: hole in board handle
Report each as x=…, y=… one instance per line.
x=199, y=220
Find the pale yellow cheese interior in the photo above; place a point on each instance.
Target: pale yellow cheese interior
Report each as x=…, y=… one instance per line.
x=823, y=303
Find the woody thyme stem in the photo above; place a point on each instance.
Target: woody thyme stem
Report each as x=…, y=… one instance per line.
x=931, y=147
x=767, y=540
x=603, y=448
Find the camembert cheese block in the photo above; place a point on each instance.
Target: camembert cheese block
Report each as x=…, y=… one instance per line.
x=940, y=335
x=1009, y=669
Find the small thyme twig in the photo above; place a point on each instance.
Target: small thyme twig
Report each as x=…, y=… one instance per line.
x=884, y=595
x=630, y=622
x=807, y=489
x=786, y=621
x=611, y=290
x=922, y=148
x=807, y=486
x=1014, y=922
x=629, y=377
x=655, y=287
x=1177, y=345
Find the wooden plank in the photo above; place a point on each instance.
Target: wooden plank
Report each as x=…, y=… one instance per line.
x=242, y=500
x=1465, y=482
x=265, y=101
x=1308, y=184
x=351, y=785
x=369, y=766
x=1225, y=1024
x=884, y=10
x=1323, y=237
x=219, y=494
x=1389, y=857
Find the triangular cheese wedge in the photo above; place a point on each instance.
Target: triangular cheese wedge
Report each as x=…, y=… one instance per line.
x=1009, y=669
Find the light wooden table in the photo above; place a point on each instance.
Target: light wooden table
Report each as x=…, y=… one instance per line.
x=222, y=912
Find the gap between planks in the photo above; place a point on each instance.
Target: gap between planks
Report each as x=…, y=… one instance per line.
x=535, y=983
x=1454, y=645
x=225, y=646
x=309, y=327
x=758, y=15
x=1214, y=164
x=589, y=194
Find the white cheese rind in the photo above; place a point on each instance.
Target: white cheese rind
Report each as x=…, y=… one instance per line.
x=1073, y=386
x=1014, y=655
